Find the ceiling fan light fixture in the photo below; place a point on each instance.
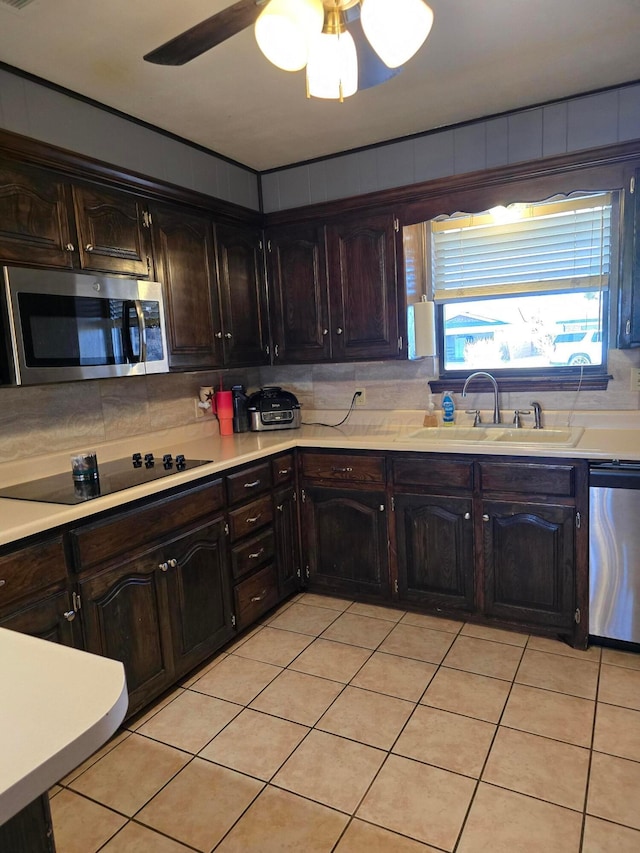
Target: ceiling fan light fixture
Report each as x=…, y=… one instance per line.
x=397, y=30
x=332, y=68
x=284, y=30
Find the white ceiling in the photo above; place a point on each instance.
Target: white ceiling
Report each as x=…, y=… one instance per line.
x=482, y=57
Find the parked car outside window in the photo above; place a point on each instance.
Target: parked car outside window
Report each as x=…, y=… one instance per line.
x=576, y=348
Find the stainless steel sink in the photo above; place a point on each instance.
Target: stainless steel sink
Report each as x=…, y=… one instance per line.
x=562, y=437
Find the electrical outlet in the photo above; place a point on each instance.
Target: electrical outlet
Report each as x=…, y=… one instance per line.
x=199, y=413
x=361, y=400
x=635, y=378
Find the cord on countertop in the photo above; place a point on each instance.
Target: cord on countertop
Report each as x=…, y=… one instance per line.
x=319, y=423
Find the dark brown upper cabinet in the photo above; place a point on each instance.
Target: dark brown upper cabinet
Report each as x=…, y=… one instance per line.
x=44, y=221
x=363, y=288
x=629, y=314
x=185, y=263
x=243, y=326
x=113, y=232
x=35, y=226
x=300, y=298
x=337, y=300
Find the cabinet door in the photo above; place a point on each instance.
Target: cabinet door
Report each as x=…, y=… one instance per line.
x=199, y=594
x=34, y=219
x=363, y=288
x=287, y=548
x=184, y=253
x=300, y=300
x=435, y=550
x=112, y=235
x=52, y=618
x=629, y=322
x=124, y=612
x=243, y=296
x=345, y=541
x=529, y=563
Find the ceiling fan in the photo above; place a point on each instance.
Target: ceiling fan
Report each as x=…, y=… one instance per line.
x=345, y=44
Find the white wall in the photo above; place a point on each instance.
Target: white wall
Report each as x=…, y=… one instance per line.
x=562, y=128
x=42, y=113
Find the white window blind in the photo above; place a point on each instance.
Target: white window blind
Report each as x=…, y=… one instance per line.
x=553, y=246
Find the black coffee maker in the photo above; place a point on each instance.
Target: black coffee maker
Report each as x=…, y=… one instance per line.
x=240, y=413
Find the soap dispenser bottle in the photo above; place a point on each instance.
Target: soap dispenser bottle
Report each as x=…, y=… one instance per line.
x=448, y=409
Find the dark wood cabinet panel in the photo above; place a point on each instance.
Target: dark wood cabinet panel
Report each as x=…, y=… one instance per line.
x=26, y=571
x=35, y=224
x=629, y=314
x=245, y=332
x=185, y=259
x=437, y=474
x=248, y=482
x=31, y=830
x=112, y=234
x=529, y=563
x=527, y=478
x=344, y=536
x=199, y=594
x=124, y=615
x=435, y=551
x=343, y=467
x=299, y=294
x=287, y=541
x=255, y=595
x=363, y=288
x=52, y=618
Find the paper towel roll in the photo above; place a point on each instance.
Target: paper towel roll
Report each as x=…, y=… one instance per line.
x=425, y=328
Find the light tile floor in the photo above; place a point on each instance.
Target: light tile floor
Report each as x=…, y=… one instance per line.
x=336, y=726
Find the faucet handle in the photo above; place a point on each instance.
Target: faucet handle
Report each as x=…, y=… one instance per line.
x=476, y=414
x=516, y=416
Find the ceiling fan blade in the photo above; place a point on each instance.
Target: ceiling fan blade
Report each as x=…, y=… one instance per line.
x=207, y=34
x=371, y=69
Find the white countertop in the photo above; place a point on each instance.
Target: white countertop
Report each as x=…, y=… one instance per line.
x=19, y=519
x=58, y=706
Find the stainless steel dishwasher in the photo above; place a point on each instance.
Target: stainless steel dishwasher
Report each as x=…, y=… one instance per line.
x=614, y=550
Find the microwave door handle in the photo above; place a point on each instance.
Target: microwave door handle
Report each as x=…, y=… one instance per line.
x=127, y=346
x=142, y=330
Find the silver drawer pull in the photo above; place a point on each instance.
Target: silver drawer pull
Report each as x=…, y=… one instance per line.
x=259, y=597
x=254, y=518
x=467, y=516
x=69, y=615
x=341, y=470
x=89, y=247
x=257, y=554
x=252, y=485
x=485, y=517
x=2, y=582
x=280, y=507
x=284, y=471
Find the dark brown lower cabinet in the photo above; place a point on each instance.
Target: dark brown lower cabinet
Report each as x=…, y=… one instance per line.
x=285, y=525
x=435, y=551
x=30, y=831
x=529, y=563
x=52, y=618
x=344, y=539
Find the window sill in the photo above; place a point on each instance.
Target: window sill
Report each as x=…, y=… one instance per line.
x=593, y=382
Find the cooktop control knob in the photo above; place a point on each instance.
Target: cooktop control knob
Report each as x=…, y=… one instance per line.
x=180, y=463
x=137, y=460
x=149, y=460
x=167, y=461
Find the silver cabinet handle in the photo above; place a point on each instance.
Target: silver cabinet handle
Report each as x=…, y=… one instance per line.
x=256, y=554
x=70, y=247
x=284, y=471
x=228, y=335
x=172, y=563
x=485, y=517
x=89, y=247
x=280, y=508
x=218, y=334
x=69, y=615
x=259, y=597
x=2, y=582
x=336, y=470
x=338, y=331
x=467, y=516
x=252, y=485
x=325, y=332
x=254, y=518
x=164, y=567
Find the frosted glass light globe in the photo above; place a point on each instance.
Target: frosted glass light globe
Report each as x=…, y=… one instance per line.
x=396, y=30
x=332, y=69
x=284, y=28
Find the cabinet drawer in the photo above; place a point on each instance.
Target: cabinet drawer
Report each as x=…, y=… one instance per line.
x=433, y=473
x=31, y=569
x=251, y=517
x=283, y=470
x=248, y=482
x=252, y=553
x=528, y=478
x=98, y=543
x=255, y=595
x=343, y=467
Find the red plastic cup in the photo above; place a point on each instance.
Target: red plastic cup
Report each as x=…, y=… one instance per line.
x=224, y=410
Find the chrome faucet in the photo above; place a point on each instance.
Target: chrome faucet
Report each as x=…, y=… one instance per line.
x=537, y=414
x=483, y=373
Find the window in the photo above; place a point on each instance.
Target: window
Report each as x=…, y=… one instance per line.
x=524, y=290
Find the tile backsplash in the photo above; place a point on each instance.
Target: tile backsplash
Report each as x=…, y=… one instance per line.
x=50, y=418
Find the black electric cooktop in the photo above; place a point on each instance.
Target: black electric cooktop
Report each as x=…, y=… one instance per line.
x=112, y=477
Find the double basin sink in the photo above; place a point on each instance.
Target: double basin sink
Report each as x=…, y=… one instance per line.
x=562, y=437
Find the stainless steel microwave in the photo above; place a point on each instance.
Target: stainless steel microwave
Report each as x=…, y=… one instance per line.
x=65, y=326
